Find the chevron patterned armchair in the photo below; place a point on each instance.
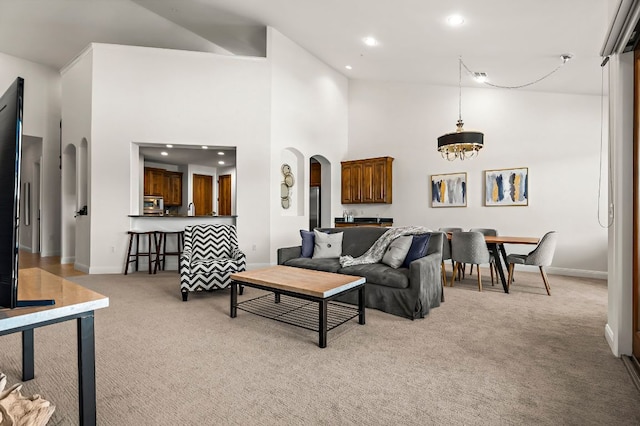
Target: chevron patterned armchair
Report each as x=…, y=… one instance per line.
x=210, y=256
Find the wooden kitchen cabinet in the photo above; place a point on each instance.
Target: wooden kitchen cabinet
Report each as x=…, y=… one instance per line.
x=316, y=175
x=367, y=181
x=351, y=182
x=172, y=189
x=165, y=183
x=153, y=181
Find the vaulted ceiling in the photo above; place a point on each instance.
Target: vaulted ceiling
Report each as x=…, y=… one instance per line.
x=514, y=42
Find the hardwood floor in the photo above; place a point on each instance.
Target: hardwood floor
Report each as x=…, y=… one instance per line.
x=50, y=264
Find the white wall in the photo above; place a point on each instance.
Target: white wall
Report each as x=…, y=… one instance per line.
x=31, y=154
x=556, y=136
x=309, y=106
x=147, y=95
x=41, y=120
x=619, y=328
x=76, y=124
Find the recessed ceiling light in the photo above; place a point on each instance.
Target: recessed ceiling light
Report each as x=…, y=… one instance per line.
x=205, y=147
x=169, y=146
x=165, y=153
x=220, y=153
x=370, y=41
x=455, y=20
x=220, y=162
x=349, y=67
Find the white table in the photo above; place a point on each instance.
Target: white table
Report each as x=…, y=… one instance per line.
x=72, y=301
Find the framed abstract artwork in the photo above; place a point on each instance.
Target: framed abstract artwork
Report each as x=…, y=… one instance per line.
x=449, y=190
x=506, y=187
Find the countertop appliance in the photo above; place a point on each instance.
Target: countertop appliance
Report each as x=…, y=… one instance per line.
x=153, y=205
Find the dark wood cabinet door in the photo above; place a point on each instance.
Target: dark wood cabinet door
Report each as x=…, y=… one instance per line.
x=224, y=195
x=203, y=194
x=347, y=196
x=382, y=181
x=368, y=181
x=315, y=175
x=153, y=181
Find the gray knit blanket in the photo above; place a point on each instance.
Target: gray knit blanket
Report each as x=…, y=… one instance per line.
x=377, y=250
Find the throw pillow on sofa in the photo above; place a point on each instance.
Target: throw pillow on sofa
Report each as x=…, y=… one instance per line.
x=417, y=250
x=397, y=251
x=327, y=245
x=308, y=240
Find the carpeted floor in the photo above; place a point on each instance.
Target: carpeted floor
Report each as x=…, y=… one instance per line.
x=480, y=358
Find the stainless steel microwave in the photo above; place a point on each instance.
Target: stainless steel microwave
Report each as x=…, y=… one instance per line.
x=153, y=205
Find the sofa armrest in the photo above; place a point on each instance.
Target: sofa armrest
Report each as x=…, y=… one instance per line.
x=425, y=278
x=288, y=253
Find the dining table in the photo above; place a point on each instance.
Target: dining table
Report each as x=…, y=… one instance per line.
x=495, y=244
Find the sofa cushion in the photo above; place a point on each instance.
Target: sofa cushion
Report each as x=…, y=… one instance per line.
x=308, y=240
x=327, y=245
x=327, y=265
x=417, y=250
x=358, y=239
x=397, y=251
x=379, y=273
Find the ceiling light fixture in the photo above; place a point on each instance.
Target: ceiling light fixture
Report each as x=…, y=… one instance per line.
x=370, y=41
x=460, y=144
x=480, y=77
x=169, y=146
x=349, y=67
x=165, y=153
x=565, y=57
x=205, y=147
x=220, y=153
x=455, y=20
x=220, y=162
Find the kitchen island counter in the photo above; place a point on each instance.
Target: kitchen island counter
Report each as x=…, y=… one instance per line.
x=175, y=223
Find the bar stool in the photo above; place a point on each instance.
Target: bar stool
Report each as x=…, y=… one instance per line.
x=162, y=247
x=151, y=253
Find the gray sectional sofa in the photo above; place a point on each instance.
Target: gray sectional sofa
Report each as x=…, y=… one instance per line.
x=406, y=292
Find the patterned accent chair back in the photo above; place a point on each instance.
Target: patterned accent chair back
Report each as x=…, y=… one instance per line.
x=211, y=254
x=210, y=241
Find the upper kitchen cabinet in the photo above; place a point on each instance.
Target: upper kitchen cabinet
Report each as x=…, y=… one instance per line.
x=172, y=188
x=153, y=181
x=316, y=174
x=165, y=183
x=367, y=181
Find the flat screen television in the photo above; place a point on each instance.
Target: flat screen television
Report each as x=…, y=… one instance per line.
x=11, y=104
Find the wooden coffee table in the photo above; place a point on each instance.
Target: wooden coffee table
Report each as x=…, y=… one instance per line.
x=303, y=287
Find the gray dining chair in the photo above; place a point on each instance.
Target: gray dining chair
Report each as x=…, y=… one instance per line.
x=541, y=256
x=469, y=247
x=446, y=249
x=492, y=265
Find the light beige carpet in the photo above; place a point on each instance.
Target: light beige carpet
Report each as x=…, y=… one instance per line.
x=480, y=358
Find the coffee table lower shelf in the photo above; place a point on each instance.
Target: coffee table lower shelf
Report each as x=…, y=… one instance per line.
x=298, y=312
x=297, y=309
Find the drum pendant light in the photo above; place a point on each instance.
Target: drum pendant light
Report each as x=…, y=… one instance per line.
x=460, y=144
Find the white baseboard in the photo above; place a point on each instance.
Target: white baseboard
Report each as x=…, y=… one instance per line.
x=67, y=260
x=26, y=248
x=81, y=267
x=251, y=266
x=608, y=334
x=580, y=273
x=106, y=270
